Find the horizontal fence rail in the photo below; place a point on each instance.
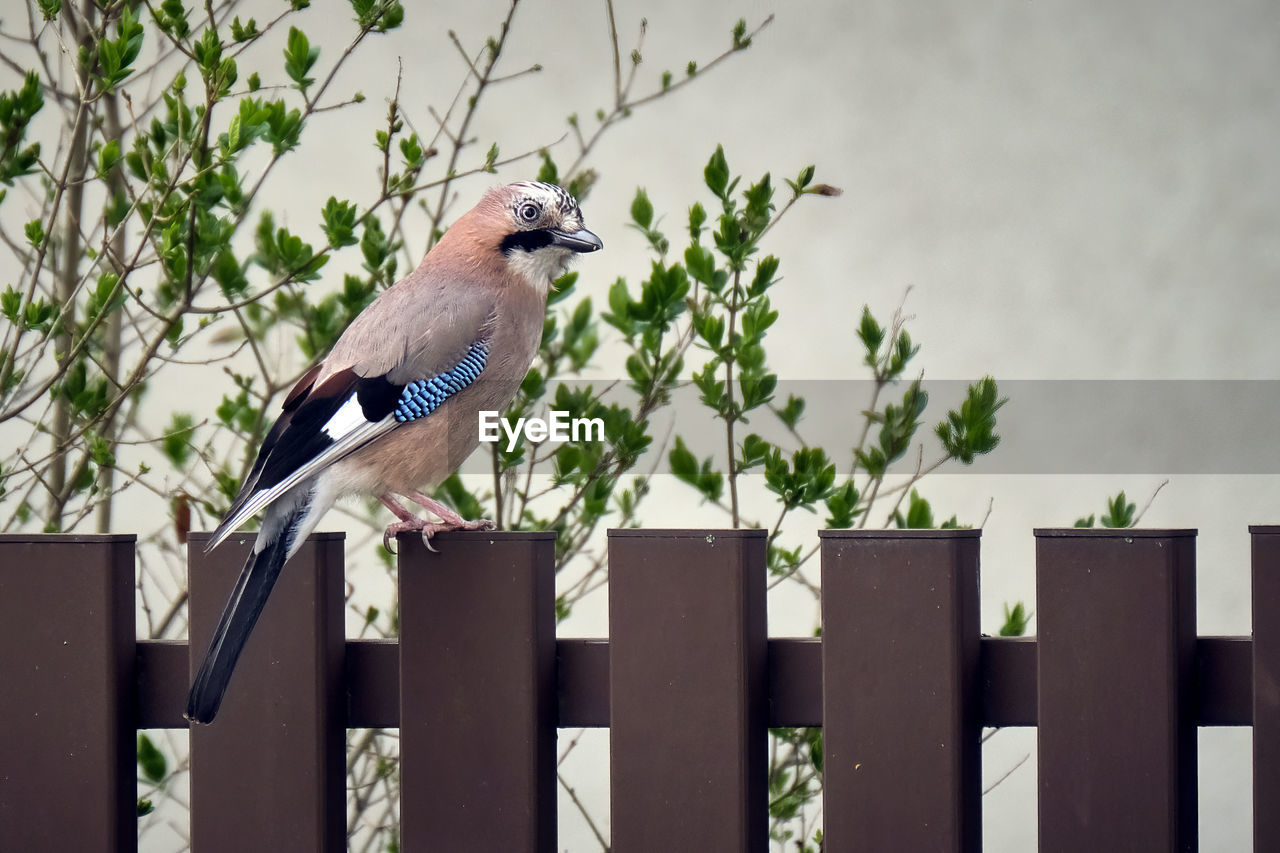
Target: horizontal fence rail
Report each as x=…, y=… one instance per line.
x=688, y=683
x=1007, y=672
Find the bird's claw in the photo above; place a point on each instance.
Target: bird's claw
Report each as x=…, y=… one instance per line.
x=429, y=529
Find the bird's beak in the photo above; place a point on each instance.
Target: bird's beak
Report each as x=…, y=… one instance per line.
x=577, y=241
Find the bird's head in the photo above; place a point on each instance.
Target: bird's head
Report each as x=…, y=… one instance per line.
x=539, y=228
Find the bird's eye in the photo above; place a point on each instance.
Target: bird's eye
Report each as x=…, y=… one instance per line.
x=530, y=212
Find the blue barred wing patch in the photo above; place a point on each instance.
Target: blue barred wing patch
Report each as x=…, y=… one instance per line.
x=424, y=396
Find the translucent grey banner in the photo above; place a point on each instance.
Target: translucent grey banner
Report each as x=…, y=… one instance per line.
x=1047, y=427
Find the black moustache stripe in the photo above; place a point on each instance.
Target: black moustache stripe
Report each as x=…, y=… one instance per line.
x=526, y=241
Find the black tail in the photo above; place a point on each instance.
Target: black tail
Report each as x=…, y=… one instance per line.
x=247, y=600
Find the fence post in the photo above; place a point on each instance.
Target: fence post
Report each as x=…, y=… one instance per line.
x=68, y=775
x=269, y=773
x=1266, y=687
x=902, y=695
x=1116, y=647
x=478, y=692
x=688, y=692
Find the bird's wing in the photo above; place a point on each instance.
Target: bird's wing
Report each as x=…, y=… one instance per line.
x=412, y=348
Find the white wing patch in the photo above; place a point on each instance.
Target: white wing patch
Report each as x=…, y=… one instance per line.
x=356, y=437
x=346, y=419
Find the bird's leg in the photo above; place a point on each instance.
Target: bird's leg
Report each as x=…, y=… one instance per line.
x=449, y=520
x=408, y=521
x=448, y=516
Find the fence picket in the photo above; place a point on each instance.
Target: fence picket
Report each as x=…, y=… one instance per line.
x=1116, y=651
x=688, y=698
x=67, y=676
x=902, y=699
x=269, y=773
x=1266, y=687
x=478, y=693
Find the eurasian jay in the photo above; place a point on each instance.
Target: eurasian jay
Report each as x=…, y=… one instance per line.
x=394, y=408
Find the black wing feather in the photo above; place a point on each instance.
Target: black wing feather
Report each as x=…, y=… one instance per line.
x=303, y=437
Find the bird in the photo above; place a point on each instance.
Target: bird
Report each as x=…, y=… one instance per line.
x=393, y=409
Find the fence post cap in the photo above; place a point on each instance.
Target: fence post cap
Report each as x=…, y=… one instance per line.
x=1114, y=532
x=85, y=538
x=902, y=533
x=206, y=535
x=687, y=533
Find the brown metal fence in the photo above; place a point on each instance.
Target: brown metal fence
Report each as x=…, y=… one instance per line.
x=688, y=682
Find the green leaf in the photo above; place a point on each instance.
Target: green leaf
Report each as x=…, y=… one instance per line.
x=919, y=515
x=759, y=198
x=411, y=151
x=108, y=157
x=813, y=737
x=10, y=304
x=716, y=174
x=700, y=263
x=790, y=413
x=711, y=329
x=697, y=218
x=35, y=233
x=244, y=32
x=682, y=461
x=765, y=276
x=363, y=9
x=754, y=451
x=808, y=479
x=208, y=53
x=339, y=222
x=757, y=318
x=50, y=8
x=100, y=450
x=17, y=109
x=970, y=431
x=1015, y=621
x=903, y=352
x=105, y=296
x=116, y=56
x=299, y=57
x=379, y=15
x=151, y=760
x=842, y=504
x=176, y=443
x=642, y=210
x=704, y=477
x=171, y=17
x=1120, y=512
x=802, y=180
x=174, y=335
x=872, y=336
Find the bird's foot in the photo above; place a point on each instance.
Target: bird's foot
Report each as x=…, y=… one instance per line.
x=429, y=529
